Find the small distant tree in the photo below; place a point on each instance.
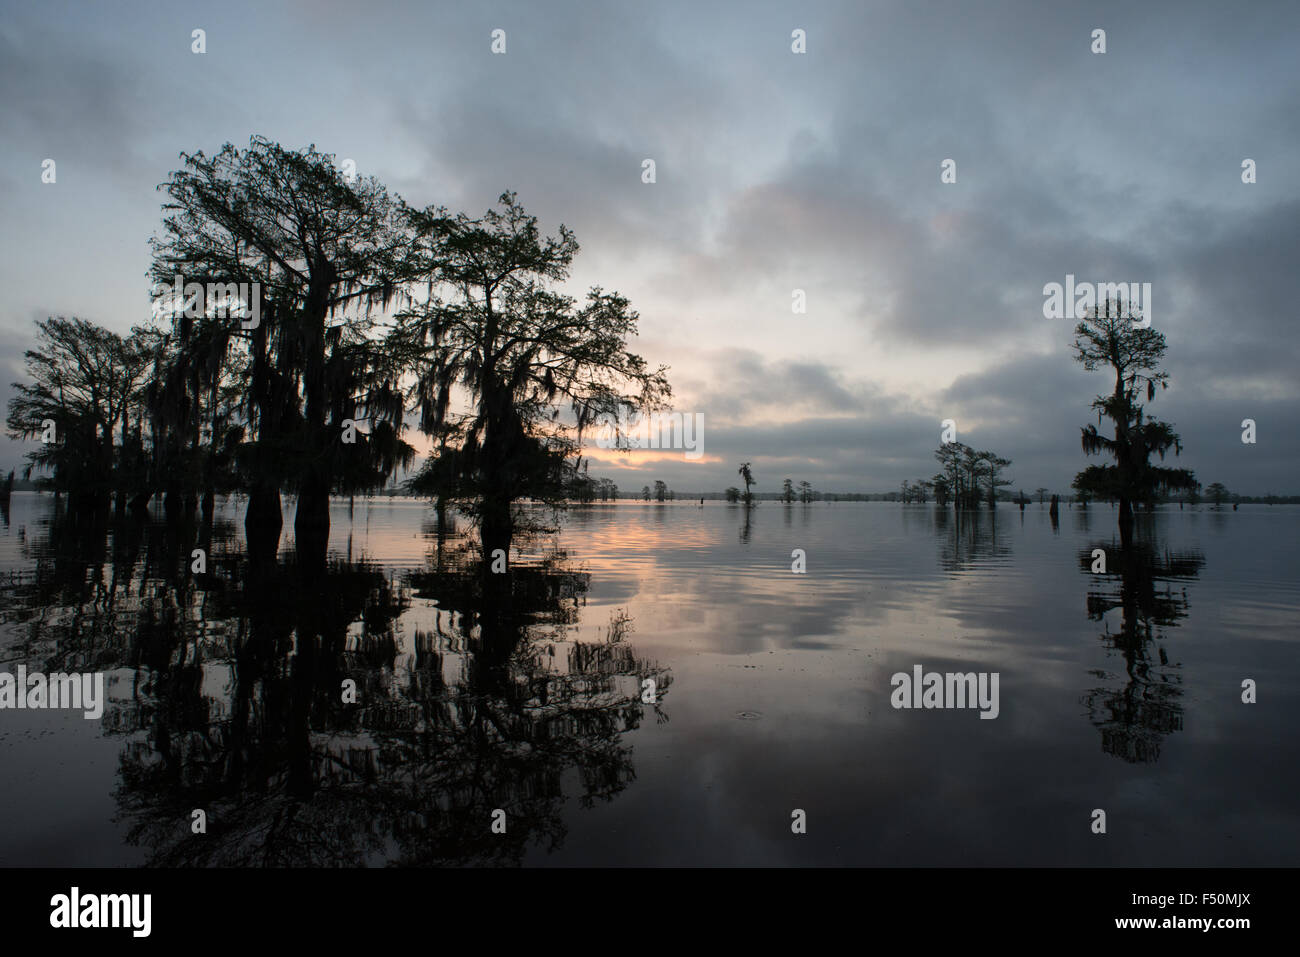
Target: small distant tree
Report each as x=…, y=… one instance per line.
x=1218, y=493
x=952, y=456
x=732, y=494
x=787, y=492
x=972, y=467
x=581, y=487
x=1042, y=494
x=805, y=492
x=1083, y=489
x=992, y=465
x=942, y=492
x=746, y=473
x=661, y=490
x=645, y=493
x=85, y=380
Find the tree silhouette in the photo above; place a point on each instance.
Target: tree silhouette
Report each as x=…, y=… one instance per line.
x=492, y=326
x=992, y=466
x=941, y=484
x=327, y=255
x=968, y=476
x=1111, y=339
x=1217, y=493
x=747, y=474
x=86, y=381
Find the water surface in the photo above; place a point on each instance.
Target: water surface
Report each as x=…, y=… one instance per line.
x=1119, y=691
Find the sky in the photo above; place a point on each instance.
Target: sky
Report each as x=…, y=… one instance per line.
x=774, y=171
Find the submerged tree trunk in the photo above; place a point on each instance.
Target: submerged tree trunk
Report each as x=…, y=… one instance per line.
x=311, y=523
x=123, y=466
x=502, y=447
x=263, y=522
x=172, y=504
x=1125, y=522
x=496, y=529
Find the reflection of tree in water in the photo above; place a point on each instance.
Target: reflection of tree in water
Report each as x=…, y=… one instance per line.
x=98, y=589
x=236, y=706
x=1134, y=720
x=967, y=538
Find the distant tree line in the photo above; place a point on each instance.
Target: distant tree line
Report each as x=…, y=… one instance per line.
x=921, y=491
x=582, y=488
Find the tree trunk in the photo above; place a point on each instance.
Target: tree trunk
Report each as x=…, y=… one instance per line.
x=311, y=523
x=1125, y=523
x=263, y=522
x=496, y=529
x=172, y=503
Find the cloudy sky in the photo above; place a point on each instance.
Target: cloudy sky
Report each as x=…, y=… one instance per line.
x=775, y=171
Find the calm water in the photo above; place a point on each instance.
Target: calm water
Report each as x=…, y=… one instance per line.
x=1119, y=691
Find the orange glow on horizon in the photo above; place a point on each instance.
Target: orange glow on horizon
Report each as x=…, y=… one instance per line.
x=633, y=459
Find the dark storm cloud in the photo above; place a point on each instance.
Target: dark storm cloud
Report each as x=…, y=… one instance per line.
x=1240, y=288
